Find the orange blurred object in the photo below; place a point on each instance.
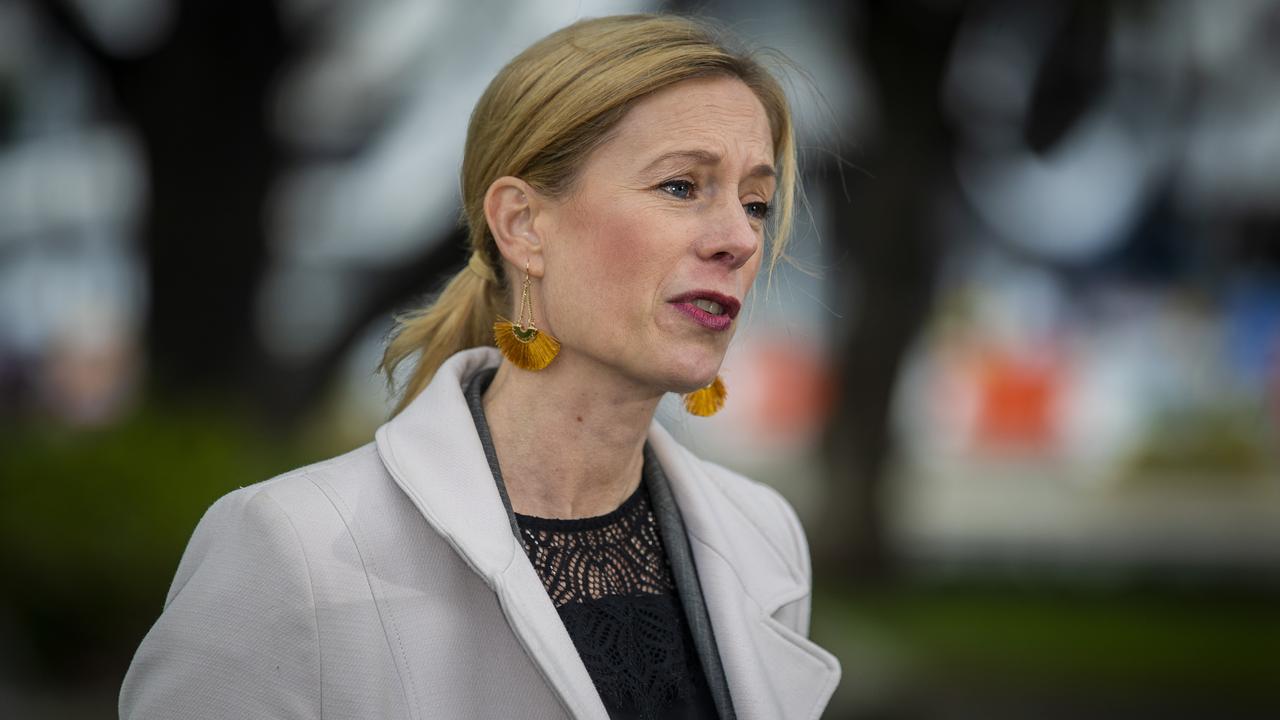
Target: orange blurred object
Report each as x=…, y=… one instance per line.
x=798, y=393
x=1017, y=401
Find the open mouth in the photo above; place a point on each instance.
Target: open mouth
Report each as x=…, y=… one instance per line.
x=709, y=306
x=710, y=302
x=710, y=309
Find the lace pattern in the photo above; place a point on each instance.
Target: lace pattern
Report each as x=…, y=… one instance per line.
x=609, y=578
x=611, y=555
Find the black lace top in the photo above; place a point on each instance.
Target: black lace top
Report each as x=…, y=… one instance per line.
x=609, y=578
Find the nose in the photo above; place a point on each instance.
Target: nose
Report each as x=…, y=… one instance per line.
x=732, y=239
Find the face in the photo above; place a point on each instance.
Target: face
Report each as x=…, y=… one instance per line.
x=649, y=258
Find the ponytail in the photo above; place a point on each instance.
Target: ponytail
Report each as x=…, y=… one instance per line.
x=460, y=317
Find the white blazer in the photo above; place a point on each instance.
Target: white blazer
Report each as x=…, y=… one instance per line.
x=387, y=583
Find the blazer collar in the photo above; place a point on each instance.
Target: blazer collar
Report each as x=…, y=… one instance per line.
x=432, y=451
x=773, y=671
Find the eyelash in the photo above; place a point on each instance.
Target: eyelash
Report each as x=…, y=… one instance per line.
x=761, y=213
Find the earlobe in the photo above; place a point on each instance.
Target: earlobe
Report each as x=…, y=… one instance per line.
x=510, y=206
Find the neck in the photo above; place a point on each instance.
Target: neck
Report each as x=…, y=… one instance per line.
x=570, y=438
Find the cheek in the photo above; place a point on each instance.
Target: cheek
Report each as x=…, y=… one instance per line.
x=619, y=258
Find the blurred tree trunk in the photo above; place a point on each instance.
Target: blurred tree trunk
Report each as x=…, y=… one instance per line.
x=885, y=256
x=198, y=101
x=201, y=102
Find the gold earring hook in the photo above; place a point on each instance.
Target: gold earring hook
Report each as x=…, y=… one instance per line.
x=526, y=300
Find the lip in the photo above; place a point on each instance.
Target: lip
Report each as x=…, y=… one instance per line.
x=684, y=303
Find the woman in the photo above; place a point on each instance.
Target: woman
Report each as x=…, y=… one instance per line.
x=522, y=540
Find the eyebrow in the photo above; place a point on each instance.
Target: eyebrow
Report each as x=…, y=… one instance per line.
x=704, y=157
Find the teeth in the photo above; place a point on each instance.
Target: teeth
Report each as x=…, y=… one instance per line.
x=712, y=307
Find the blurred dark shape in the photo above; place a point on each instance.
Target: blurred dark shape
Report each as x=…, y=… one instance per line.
x=197, y=99
x=200, y=98
x=884, y=243
x=8, y=106
x=1258, y=243
x=1157, y=250
x=1072, y=77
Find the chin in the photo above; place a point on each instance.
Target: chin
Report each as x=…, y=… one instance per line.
x=692, y=373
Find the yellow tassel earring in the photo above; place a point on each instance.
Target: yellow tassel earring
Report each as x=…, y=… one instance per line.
x=707, y=401
x=521, y=342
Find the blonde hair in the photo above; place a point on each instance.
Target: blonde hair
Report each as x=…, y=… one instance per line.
x=539, y=120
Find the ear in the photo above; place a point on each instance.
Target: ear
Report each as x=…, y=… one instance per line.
x=510, y=207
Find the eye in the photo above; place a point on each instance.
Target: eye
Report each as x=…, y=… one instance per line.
x=682, y=189
x=758, y=210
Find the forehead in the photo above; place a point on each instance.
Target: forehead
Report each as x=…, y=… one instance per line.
x=718, y=114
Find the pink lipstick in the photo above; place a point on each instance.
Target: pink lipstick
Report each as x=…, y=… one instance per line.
x=712, y=310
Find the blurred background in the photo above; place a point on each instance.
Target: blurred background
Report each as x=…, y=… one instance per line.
x=1022, y=380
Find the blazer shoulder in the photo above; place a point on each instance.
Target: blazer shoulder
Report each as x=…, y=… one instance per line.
x=768, y=511
x=293, y=490
x=239, y=632
x=353, y=466
x=293, y=500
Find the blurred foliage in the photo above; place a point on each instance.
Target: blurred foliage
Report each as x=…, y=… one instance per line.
x=1041, y=640
x=1212, y=444
x=93, y=522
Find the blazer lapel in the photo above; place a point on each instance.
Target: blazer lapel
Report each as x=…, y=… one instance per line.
x=432, y=451
x=772, y=671
x=680, y=556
